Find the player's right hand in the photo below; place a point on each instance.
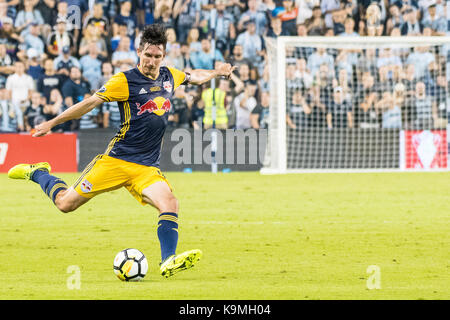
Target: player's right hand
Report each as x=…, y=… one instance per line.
x=42, y=129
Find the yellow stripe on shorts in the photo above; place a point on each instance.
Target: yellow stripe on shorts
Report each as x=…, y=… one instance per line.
x=86, y=170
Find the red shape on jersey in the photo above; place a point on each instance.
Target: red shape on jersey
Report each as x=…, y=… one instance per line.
x=166, y=105
x=149, y=106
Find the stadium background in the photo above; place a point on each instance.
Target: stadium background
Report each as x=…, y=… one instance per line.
x=67, y=50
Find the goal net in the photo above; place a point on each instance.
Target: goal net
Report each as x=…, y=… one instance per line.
x=358, y=104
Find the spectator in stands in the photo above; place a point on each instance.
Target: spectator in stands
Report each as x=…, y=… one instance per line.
x=204, y=58
x=220, y=94
x=174, y=57
x=47, y=8
x=339, y=112
x=73, y=23
x=126, y=17
x=109, y=8
x=244, y=104
x=374, y=23
x=27, y=16
x=349, y=29
x=187, y=13
x=345, y=82
x=316, y=25
x=297, y=110
x=193, y=40
x=325, y=79
x=122, y=33
x=441, y=99
x=33, y=64
x=251, y=43
x=411, y=25
x=435, y=22
x=276, y=29
x=32, y=39
x=92, y=34
x=74, y=88
x=301, y=30
x=59, y=39
x=64, y=62
x=98, y=19
x=92, y=119
x=111, y=115
x=259, y=117
x=409, y=80
x=163, y=14
x=91, y=64
x=338, y=18
x=366, y=98
x=293, y=82
x=20, y=86
x=346, y=60
x=315, y=101
x=179, y=113
x=253, y=14
x=6, y=65
x=11, y=116
x=225, y=29
x=303, y=74
x=421, y=58
x=328, y=7
x=395, y=19
x=34, y=114
x=49, y=80
x=186, y=56
x=196, y=107
x=123, y=55
x=238, y=59
x=318, y=58
x=54, y=106
x=288, y=16
x=171, y=38
x=391, y=113
x=9, y=37
x=244, y=73
x=388, y=63
x=424, y=110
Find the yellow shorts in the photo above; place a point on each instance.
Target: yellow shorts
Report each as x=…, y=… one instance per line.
x=106, y=173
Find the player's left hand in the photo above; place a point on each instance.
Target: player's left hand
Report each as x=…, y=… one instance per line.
x=225, y=69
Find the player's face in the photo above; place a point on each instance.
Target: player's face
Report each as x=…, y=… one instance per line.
x=151, y=57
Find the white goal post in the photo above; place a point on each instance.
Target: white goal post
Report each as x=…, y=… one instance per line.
x=368, y=104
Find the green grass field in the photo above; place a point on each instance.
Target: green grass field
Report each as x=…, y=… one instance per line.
x=292, y=237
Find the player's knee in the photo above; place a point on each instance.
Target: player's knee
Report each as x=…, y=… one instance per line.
x=65, y=206
x=169, y=204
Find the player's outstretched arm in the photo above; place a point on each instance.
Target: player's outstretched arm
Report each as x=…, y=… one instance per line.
x=200, y=76
x=74, y=112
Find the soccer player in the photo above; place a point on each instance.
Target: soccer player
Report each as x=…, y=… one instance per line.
x=131, y=159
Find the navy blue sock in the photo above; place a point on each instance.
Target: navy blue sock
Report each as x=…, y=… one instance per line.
x=168, y=234
x=51, y=185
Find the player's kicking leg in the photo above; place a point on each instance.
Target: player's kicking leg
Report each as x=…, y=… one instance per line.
x=65, y=199
x=161, y=197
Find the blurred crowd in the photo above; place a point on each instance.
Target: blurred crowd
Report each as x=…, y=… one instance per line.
x=54, y=54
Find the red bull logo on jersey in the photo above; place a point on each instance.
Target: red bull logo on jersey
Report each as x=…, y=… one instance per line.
x=159, y=106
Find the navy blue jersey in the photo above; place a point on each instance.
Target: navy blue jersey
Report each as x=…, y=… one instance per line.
x=144, y=106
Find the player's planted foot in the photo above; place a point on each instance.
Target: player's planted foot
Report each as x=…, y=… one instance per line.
x=25, y=171
x=180, y=262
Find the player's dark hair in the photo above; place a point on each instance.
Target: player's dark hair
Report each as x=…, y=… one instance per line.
x=154, y=34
